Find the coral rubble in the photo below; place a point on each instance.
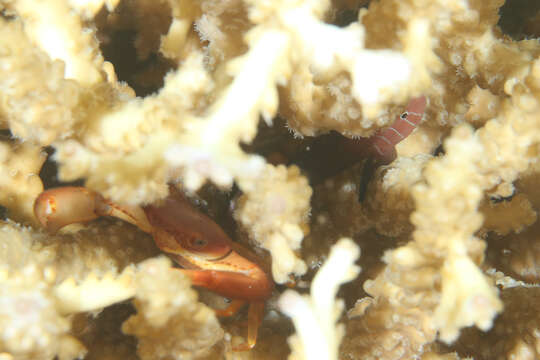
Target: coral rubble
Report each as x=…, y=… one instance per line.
x=217, y=98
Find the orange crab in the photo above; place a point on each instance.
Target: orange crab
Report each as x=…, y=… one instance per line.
x=208, y=256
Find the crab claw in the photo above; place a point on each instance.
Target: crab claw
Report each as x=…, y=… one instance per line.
x=56, y=208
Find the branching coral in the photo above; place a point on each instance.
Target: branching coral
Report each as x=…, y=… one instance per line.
x=170, y=323
x=389, y=201
x=472, y=164
x=43, y=284
x=34, y=90
x=285, y=209
x=515, y=214
x=33, y=326
x=434, y=210
x=20, y=183
x=514, y=334
x=315, y=317
x=67, y=42
x=266, y=63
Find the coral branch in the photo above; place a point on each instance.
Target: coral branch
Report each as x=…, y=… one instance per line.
x=94, y=293
x=275, y=213
x=315, y=317
x=131, y=96
x=234, y=116
x=59, y=32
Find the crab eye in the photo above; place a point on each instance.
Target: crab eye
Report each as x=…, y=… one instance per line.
x=198, y=242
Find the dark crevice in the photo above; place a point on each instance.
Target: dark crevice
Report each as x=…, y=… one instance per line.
x=519, y=19
x=49, y=173
x=117, y=34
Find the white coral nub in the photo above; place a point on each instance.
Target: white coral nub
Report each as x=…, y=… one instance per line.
x=314, y=317
x=466, y=299
x=274, y=212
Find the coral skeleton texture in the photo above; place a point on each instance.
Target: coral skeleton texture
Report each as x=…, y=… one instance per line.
x=315, y=317
x=217, y=97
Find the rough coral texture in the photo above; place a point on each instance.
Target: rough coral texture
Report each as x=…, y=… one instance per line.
x=275, y=214
x=131, y=96
x=315, y=317
x=165, y=306
x=21, y=184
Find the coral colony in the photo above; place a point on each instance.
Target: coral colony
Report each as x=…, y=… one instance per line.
x=362, y=175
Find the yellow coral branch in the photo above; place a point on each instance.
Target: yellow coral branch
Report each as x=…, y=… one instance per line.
x=94, y=293
x=59, y=32
x=315, y=317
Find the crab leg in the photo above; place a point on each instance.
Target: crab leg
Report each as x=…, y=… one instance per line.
x=255, y=312
x=230, y=284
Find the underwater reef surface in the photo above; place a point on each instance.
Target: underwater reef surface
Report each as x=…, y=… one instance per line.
x=271, y=116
